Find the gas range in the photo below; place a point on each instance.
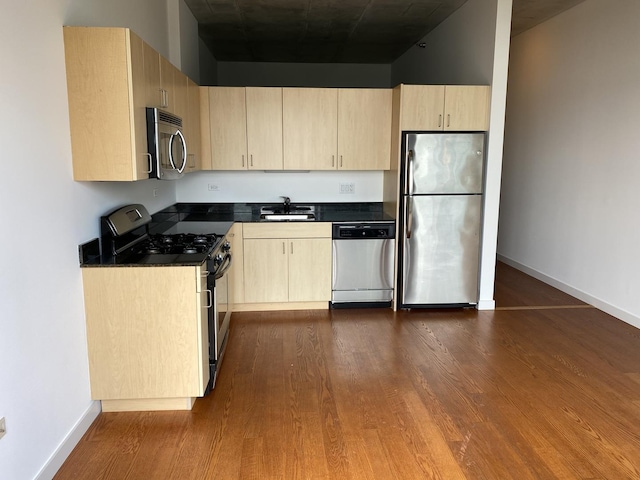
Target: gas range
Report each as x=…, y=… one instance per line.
x=125, y=239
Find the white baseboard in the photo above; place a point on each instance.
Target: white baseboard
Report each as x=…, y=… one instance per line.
x=70, y=441
x=574, y=292
x=486, y=305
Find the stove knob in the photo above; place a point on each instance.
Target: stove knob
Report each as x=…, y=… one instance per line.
x=218, y=259
x=226, y=246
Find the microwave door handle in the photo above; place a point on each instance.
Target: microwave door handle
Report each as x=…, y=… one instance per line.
x=184, y=152
x=173, y=165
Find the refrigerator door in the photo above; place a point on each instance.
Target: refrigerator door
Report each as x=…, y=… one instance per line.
x=443, y=163
x=441, y=248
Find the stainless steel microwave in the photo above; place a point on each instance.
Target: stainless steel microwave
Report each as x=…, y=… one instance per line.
x=167, y=145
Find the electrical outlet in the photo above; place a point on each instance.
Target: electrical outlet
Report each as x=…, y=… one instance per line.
x=212, y=187
x=347, y=188
x=155, y=192
x=3, y=427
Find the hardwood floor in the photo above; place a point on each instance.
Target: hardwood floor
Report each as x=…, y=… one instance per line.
x=517, y=393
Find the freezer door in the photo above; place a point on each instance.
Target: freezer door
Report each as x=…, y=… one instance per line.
x=440, y=250
x=441, y=163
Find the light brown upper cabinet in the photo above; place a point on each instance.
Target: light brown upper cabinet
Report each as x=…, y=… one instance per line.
x=445, y=108
x=112, y=76
x=245, y=128
x=310, y=128
x=166, y=85
x=264, y=128
x=106, y=87
x=228, y=128
x=193, y=128
x=364, y=128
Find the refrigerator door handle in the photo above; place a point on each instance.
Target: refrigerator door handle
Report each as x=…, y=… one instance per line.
x=408, y=173
x=409, y=216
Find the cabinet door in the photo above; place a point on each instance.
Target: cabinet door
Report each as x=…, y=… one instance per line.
x=422, y=107
x=180, y=95
x=141, y=344
x=106, y=93
x=205, y=129
x=309, y=269
x=364, y=129
x=310, y=128
x=140, y=149
x=264, y=128
x=194, y=161
x=266, y=277
x=154, y=92
x=228, y=127
x=236, y=272
x=467, y=108
x=167, y=79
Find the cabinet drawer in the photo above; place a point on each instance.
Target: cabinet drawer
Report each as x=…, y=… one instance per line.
x=287, y=230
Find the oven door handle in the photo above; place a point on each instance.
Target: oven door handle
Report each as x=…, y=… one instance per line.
x=224, y=267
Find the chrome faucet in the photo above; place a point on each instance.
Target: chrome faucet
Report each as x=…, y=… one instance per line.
x=287, y=204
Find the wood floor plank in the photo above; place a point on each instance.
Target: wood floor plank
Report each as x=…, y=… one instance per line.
x=545, y=388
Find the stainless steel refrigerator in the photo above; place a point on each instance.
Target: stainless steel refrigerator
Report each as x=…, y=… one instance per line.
x=440, y=219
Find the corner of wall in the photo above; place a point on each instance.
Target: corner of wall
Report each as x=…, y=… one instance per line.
x=69, y=442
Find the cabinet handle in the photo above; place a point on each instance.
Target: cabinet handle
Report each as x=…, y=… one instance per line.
x=150, y=158
x=448, y=119
x=164, y=98
x=242, y=161
x=251, y=156
x=291, y=248
x=209, y=299
x=340, y=161
x=439, y=120
x=193, y=158
x=333, y=160
x=283, y=249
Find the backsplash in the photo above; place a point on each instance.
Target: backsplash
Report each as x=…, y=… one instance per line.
x=356, y=186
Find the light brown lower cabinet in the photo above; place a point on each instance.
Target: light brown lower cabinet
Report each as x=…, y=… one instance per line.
x=287, y=265
x=147, y=335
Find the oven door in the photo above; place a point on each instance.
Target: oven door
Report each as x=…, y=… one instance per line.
x=222, y=304
x=219, y=316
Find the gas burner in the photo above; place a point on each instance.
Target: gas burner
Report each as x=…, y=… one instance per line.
x=179, y=243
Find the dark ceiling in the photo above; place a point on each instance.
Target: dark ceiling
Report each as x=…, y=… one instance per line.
x=335, y=31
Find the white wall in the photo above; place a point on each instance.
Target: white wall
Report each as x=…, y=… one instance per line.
x=458, y=51
x=208, y=65
x=265, y=74
x=570, y=193
x=471, y=47
x=44, y=384
x=189, y=42
x=267, y=187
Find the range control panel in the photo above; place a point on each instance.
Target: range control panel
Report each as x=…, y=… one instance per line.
x=347, y=231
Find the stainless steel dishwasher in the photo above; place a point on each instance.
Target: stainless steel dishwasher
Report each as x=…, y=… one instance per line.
x=363, y=259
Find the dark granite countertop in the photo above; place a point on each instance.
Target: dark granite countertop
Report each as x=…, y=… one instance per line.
x=250, y=212
x=218, y=218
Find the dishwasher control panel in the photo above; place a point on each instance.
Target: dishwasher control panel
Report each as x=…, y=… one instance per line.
x=346, y=231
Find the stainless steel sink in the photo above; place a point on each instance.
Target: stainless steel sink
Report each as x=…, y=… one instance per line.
x=274, y=217
x=275, y=213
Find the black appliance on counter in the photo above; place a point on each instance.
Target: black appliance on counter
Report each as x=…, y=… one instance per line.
x=125, y=240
